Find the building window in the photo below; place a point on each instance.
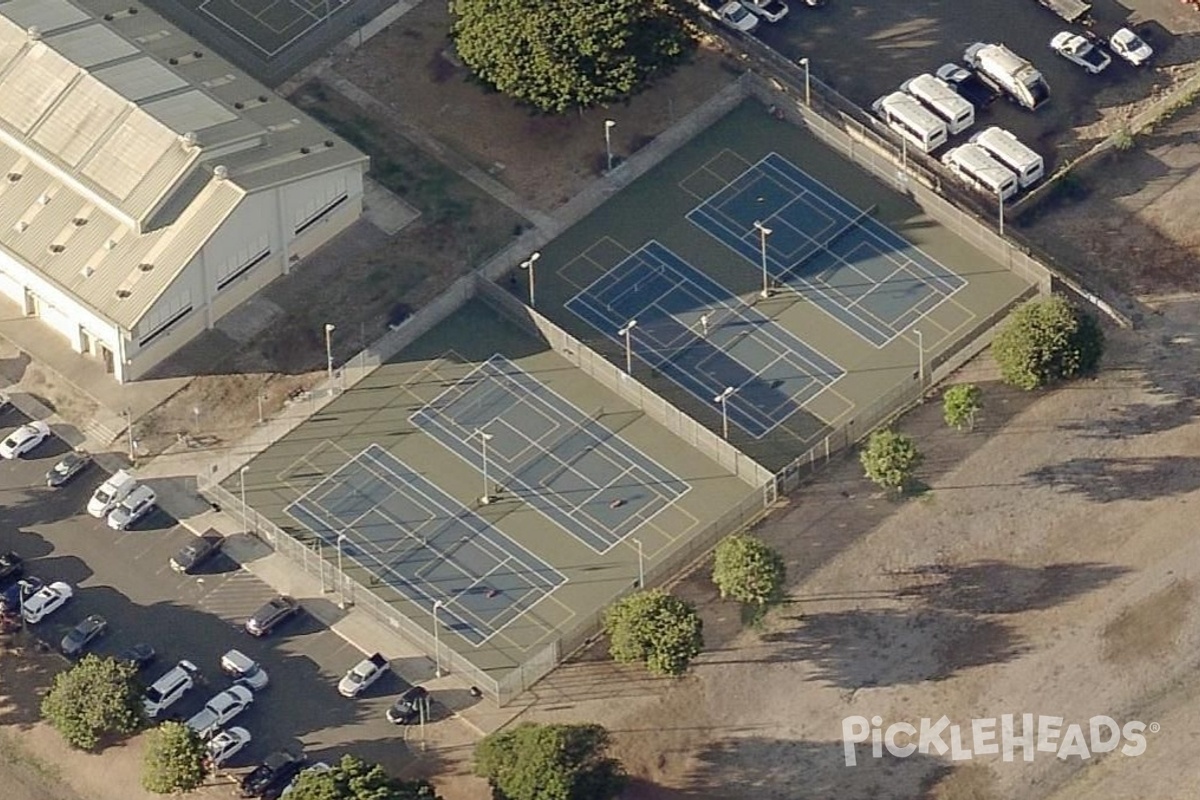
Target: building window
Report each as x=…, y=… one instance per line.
x=315, y=218
x=244, y=268
x=160, y=318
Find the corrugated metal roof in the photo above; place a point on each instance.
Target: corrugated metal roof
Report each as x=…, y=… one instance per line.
x=75, y=125
x=141, y=78
x=45, y=15
x=34, y=84
x=91, y=45
x=191, y=111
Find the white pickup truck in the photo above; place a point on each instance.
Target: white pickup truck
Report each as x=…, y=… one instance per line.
x=362, y=675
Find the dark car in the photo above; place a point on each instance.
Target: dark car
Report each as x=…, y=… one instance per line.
x=272, y=615
x=272, y=775
x=11, y=568
x=71, y=465
x=408, y=707
x=140, y=655
x=197, y=552
x=83, y=634
x=25, y=588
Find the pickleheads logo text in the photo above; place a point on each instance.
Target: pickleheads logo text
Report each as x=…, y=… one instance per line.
x=1004, y=736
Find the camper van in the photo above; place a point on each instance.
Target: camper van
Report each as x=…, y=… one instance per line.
x=1010, y=73
x=1009, y=151
x=977, y=169
x=942, y=100
x=911, y=120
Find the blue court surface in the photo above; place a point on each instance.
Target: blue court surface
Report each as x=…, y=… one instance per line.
x=544, y=450
x=692, y=330
x=426, y=545
x=826, y=249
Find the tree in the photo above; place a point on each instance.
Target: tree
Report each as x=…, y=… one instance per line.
x=890, y=458
x=95, y=698
x=960, y=404
x=653, y=627
x=1046, y=340
x=174, y=759
x=747, y=570
x=354, y=779
x=550, y=762
x=558, y=55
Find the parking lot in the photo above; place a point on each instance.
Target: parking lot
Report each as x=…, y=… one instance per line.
x=126, y=578
x=896, y=41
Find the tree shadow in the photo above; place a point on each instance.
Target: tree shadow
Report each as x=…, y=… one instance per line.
x=994, y=587
x=857, y=649
x=1104, y=480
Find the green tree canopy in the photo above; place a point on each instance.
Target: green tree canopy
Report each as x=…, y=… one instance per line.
x=558, y=55
x=354, y=779
x=748, y=570
x=95, y=698
x=653, y=627
x=1046, y=340
x=960, y=404
x=549, y=762
x=890, y=458
x=174, y=760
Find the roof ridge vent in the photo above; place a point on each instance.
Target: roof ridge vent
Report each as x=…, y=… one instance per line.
x=189, y=140
x=34, y=33
x=21, y=226
x=110, y=244
x=220, y=172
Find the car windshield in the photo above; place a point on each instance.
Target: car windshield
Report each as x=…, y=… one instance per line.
x=103, y=496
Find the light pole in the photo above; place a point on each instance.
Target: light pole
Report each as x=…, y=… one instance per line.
x=484, y=438
x=341, y=575
x=528, y=264
x=437, y=642
x=627, y=332
x=920, y=359
x=261, y=397
x=723, y=399
x=329, y=328
x=641, y=565
x=608, y=126
x=242, y=481
x=807, y=83
x=1000, y=199
x=763, y=233
x=132, y=441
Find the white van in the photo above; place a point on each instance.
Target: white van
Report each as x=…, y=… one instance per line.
x=948, y=104
x=911, y=120
x=165, y=691
x=110, y=493
x=1009, y=151
x=979, y=170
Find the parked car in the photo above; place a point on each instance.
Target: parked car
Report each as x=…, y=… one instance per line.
x=320, y=766
x=138, y=504
x=24, y=439
x=46, y=601
x=245, y=670
x=770, y=10
x=171, y=686
x=23, y=589
x=362, y=675
x=196, y=552
x=140, y=655
x=408, y=707
x=967, y=83
x=1131, y=47
x=220, y=709
x=276, y=770
x=737, y=16
x=273, y=614
x=83, y=634
x=67, y=469
x=12, y=567
x=1078, y=50
x=226, y=744
x=112, y=491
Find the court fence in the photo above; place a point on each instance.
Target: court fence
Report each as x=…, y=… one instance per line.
x=627, y=387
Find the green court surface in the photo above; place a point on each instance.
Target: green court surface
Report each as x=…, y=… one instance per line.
x=579, y=480
x=859, y=274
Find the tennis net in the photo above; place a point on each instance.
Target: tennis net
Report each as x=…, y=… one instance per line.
x=824, y=246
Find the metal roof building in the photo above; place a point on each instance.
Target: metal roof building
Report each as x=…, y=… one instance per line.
x=147, y=187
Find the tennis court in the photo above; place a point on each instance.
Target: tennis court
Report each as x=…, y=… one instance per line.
x=816, y=243
x=416, y=539
x=270, y=26
x=545, y=450
x=710, y=343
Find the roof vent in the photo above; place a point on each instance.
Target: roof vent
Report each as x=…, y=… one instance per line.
x=189, y=139
x=305, y=151
x=79, y=222
x=220, y=172
x=44, y=200
x=110, y=244
x=13, y=177
x=262, y=98
x=197, y=54
x=329, y=142
x=145, y=266
x=57, y=248
x=123, y=293
x=87, y=271
x=133, y=9
x=21, y=226
x=34, y=33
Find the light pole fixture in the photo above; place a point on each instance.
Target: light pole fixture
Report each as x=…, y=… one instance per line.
x=329, y=329
x=627, y=332
x=763, y=233
x=341, y=575
x=242, y=481
x=641, y=565
x=528, y=264
x=608, y=126
x=484, y=438
x=723, y=399
x=437, y=642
